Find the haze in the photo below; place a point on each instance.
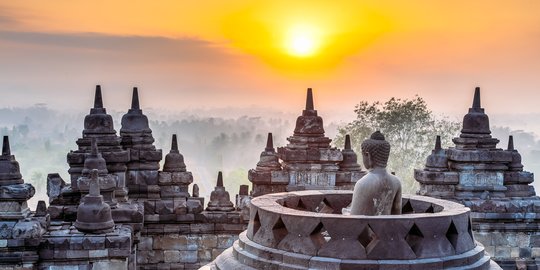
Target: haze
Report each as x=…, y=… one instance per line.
x=184, y=55
x=229, y=59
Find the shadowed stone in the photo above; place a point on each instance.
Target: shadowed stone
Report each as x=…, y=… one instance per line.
x=437, y=161
x=219, y=198
x=244, y=190
x=510, y=143
x=99, y=125
x=309, y=100
x=306, y=162
x=174, y=180
x=350, y=159
x=20, y=237
x=488, y=180
x=98, y=121
x=269, y=160
x=135, y=99
x=6, y=150
x=134, y=122
x=516, y=164
x=93, y=215
x=243, y=201
x=476, y=121
x=41, y=209
x=144, y=158
x=309, y=123
x=107, y=182
x=438, y=143
x=269, y=143
x=98, y=100
x=279, y=235
x=14, y=193
x=9, y=167
x=174, y=161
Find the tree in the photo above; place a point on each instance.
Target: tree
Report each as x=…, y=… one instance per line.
x=410, y=128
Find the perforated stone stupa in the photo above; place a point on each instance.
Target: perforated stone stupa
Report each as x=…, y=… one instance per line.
x=99, y=125
x=285, y=232
x=137, y=139
x=21, y=231
x=99, y=148
x=158, y=224
x=492, y=183
x=307, y=161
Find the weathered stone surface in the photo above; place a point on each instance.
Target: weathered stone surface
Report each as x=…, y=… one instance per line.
x=378, y=192
x=219, y=198
x=99, y=125
x=27, y=229
x=307, y=162
x=13, y=191
x=93, y=215
x=492, y=183
x=279, y=236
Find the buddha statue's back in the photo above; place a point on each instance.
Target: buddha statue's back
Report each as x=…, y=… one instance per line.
x=378, y=192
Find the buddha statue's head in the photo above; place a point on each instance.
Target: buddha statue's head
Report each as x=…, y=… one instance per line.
x=375, y=151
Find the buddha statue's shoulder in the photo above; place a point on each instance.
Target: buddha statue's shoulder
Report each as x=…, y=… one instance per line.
x=394, y=180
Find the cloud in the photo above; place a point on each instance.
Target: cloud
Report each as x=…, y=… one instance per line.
x=56, y=67
x=131, y=47
x=7, y=20
x=7, y=17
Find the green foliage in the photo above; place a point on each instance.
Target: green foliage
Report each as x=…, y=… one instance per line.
x=408, y=125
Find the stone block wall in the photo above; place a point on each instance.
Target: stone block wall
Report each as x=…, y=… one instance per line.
x=188, y=245
x=512, y=246
x=65, y=248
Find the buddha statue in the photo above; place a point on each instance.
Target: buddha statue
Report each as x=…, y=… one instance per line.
x=378, y=192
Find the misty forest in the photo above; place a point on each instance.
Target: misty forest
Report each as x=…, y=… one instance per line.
x=41, y=137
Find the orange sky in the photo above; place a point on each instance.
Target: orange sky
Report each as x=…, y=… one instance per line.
x=188, y=54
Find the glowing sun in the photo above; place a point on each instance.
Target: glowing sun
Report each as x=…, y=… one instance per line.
x=302, y=41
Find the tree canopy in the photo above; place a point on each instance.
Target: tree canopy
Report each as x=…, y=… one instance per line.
x=410, y=128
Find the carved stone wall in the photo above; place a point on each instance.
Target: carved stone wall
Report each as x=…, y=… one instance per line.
x=492, y=183
x=286, y=231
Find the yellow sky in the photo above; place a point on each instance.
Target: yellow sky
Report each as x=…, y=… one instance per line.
x=357, y=49
x=265, y=28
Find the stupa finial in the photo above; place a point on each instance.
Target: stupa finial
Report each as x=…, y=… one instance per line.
x=309, y=100
x=98, y=100
x=219, y=179
x=438, y=143
x=510, y=142
x=135, y=99
x=476, y=101
x=6, y=151
x=269, y=142
x=174, y=144
x=347, y=142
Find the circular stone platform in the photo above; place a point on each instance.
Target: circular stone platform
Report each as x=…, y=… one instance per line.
x=306, y=230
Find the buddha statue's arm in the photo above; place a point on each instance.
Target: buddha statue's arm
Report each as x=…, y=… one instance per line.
x=396, y=205
x=360, y=199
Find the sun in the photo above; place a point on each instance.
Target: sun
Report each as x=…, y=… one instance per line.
x=302, y=46
x=302, y=41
